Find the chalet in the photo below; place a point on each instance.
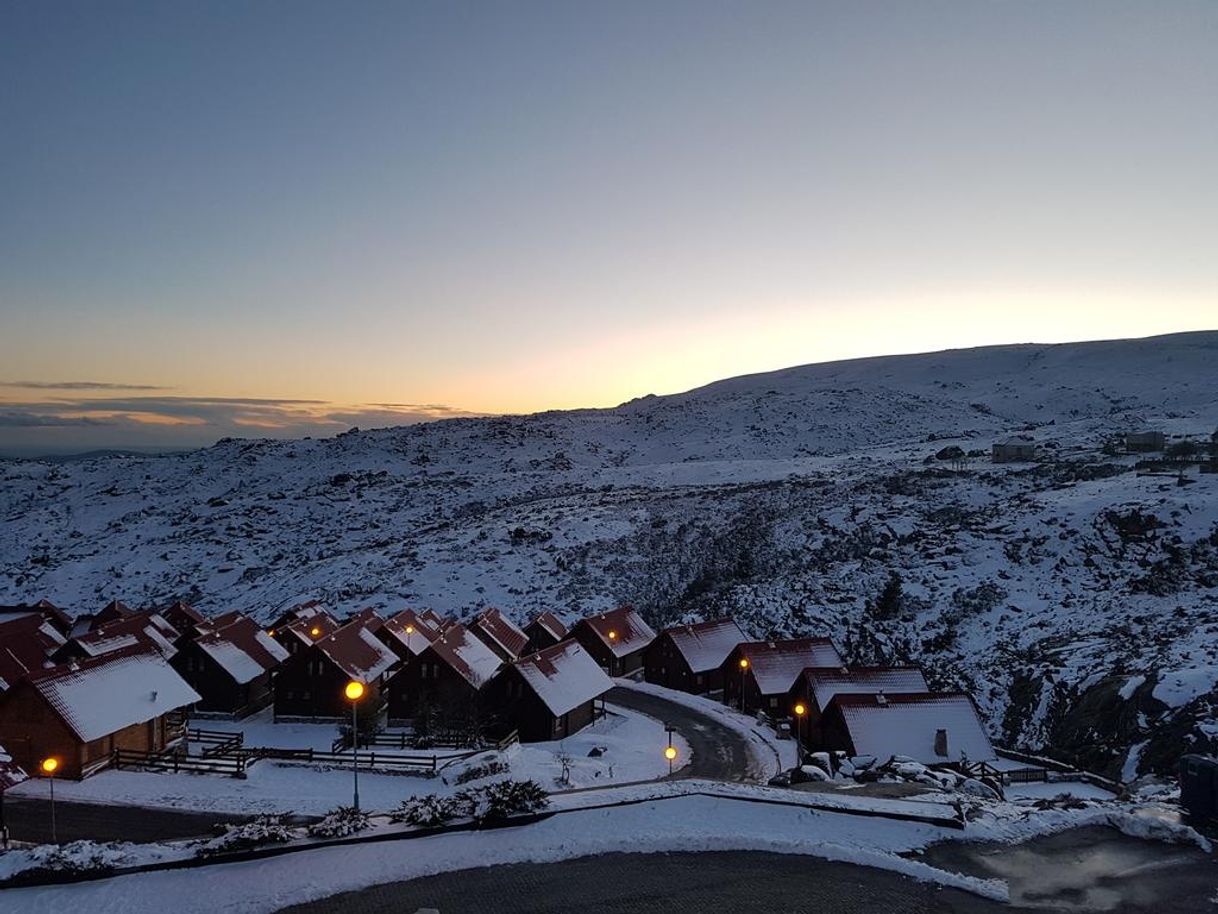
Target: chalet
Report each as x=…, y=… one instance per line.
x=311, y=681
x=690, y=657
x=296, y=613
x=550, y=694
x=449, y=673
x=145, y=629
x=368, y=617
x=546, y=630
x=816, y=687
x=765, y=671
x=1017, y=448
x=929, y=727
x=499, y=633
x=615, y=639
x=437, y=621
x=302, y=633
x=81, y=712
x=49, y=612
x=111, y=612
x=407, y=633
x=1145, y=442
x=230, y=665
x=26, y=645
x=182, y=616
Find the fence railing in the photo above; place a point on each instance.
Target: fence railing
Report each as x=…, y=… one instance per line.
x=425, y=764
x=232, y=765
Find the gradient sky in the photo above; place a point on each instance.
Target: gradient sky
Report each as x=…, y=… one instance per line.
x=290, y=217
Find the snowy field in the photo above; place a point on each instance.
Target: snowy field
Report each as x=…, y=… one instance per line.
x=632, y=744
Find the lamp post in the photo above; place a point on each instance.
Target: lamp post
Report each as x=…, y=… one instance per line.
x=671, y=754
x=354, y=692
x=744, y=668
x=800, y=710
x=49, y=766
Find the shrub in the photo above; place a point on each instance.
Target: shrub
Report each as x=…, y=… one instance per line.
x=58, y=860
x=340, y=822
x=430, y=810
x=501, y=799
x=474, y=772
x=255, y=833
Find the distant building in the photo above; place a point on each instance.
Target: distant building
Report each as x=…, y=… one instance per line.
x=1145, y=442
x=499, y=633
x=407, y=633
x=230, y=665
x=145, y=628
x=81, y=712
x=302, y=632
x=182, y=616
x=615, y=639
x=769, y=670
x=816, y=688
x=546, y=630
x=690, y=657
x=27, y=642
x=449, y=674
x=311, y=682
x=929, y=727
x=1018, y=448
x=550, y=694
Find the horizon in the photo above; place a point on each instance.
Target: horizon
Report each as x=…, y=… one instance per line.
x=245, y=222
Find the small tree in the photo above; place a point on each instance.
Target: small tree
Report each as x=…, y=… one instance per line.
x=888, y=606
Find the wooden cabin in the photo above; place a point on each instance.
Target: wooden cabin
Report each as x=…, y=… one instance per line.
x=816, y=687
x=182, y=616
x=766, y=670
x=449, y=673
x=499, y=633
x=928, y=727
x=690, y=657
x=311, y=682
x=230, y=665
x=27, y=642
x=81, y=712
x=616, y=639
x=550, y=694
x=407, y=633
x=1013, y=450
x=302, y=633
x=146, y=629
x=546, y=630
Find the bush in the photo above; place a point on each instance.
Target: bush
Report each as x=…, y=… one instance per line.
x=475, y=772
x=497, y=801
x=430, y=810
x=48, y=861
x=255, y=833
x=340, y=822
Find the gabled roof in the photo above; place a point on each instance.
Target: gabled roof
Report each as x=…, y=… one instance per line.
x=501, y=630
x=26, y=642
x=775, y=665
x=438, y=622
x=888, y=725
x=115, y=609
x=564, y=676
x=302, y=629
x=242, y=649
x=367, y=617
x=103, y=695
x=305, y=610
x=147, y=628
x=472, y=660
x=361, y=655
x=551, y=624
x=826, y=682
x=622, y=630
x=422, y=634
x=705, y=645
x=45, y=608
x=181, y=612
x=10, y=774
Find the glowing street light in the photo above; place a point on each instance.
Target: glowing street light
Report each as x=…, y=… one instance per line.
x=744, y=667
x=354, y=692
x=49, y=766
x=612, y=635
x=671, y=754
x=801, y=711
x=315, y=631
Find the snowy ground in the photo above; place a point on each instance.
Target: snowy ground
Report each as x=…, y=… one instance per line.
x=633, y=744
x=1078, y=789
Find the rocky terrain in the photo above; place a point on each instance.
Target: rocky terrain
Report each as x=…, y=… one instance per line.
x=1076, y=595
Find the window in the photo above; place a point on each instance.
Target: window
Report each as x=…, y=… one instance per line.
x=773, y=702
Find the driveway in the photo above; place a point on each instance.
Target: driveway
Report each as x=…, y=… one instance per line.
x=719, y=752
x=29, y=819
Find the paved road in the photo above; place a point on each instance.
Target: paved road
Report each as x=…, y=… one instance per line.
x=719, y=752
x=29, y=819
x=740, y=882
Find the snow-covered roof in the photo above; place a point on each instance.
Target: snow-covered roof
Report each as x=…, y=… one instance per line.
x=103, y=695
x=470, y=658
x=501, y=630
x=775, y=665
x=242, y=649
x=563, y=676
x=705, y=645
x=356, y=651
x=302, y=629
x=423, y=631
x=551, y=624
x=622, y=630
x=10, y=774
x=890, y=725
x=826, y=682
x=143, y=628
x=1016, y=441
x=25, y=643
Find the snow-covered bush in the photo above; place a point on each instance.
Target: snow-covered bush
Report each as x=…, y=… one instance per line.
x=486, y=770
x=255, y=833
x=340, y=822
x=48, y=861
x=507, y=798
x=431, y=810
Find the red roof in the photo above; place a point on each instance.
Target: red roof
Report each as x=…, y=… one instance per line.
x=705, y=645
x=422, y=634
x=622, y=630
x=303, y=629
x=551, y=624
x=926, y=726
x=146, y=628
x=300, y=611
x=775, y=665
x=355, y=650
x=564, y=676
x=825, y=682
x=472, y=660
x=502, y=632
x=242, y=648
x=26, y=642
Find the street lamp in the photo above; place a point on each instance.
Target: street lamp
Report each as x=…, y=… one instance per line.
x=315, y=631
x=49, y=766
x=800, y=710
x=671, y=754
x=744, y=666
x=354, y=692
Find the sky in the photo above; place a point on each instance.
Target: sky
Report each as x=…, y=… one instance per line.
x=288, y=218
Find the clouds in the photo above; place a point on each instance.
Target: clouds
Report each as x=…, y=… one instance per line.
x=65, y=424
x=78, y=385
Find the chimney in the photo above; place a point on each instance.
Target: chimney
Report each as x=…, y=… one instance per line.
x=881, y=699
x=154, y=695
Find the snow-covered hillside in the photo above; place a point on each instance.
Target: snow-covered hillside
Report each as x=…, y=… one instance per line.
x=1078, y=599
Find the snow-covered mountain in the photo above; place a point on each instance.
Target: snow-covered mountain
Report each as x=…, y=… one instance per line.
x=1076, y=598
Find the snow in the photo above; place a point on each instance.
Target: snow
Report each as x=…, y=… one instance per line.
x=462, y=650
x=1080, y=790
x=705, y=645
x=825, y=683
x=564, y=676
x=908, y=724
x=621, y=630
x=236, y=662
x=1131, y=685
x=775, y=665
x=271, y=646
x=1179, y=687
x=104, y=697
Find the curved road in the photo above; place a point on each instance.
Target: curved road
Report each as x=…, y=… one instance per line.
x=719, y=752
